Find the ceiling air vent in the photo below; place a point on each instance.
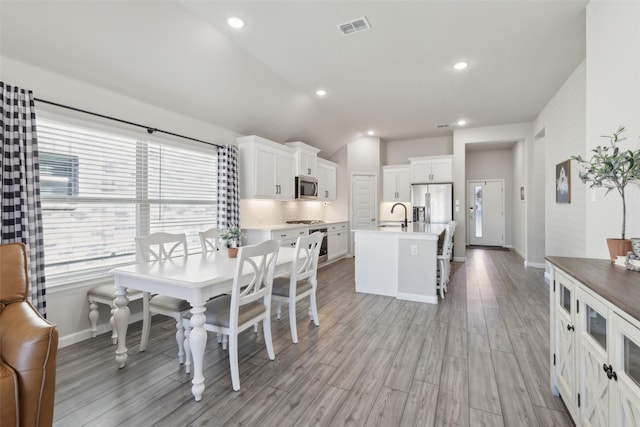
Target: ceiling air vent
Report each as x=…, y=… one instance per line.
x=354, y=26
x=445, y=125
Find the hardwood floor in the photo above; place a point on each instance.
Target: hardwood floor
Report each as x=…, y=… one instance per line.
x=479, y=358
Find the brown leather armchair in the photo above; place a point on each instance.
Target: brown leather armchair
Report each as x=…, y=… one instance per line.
x=28, y=347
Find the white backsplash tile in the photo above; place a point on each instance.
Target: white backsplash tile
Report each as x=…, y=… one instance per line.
x=254, y=213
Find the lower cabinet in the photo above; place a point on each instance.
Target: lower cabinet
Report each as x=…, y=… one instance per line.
x=337, y=240
x=595, y=348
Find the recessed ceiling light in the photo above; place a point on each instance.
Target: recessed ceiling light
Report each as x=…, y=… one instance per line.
x=371, y=132
x=461, y=65
x=235, y=22
x=462, y=122
x=321, y=92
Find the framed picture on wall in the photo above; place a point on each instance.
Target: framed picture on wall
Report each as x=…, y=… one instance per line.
x=563, y=182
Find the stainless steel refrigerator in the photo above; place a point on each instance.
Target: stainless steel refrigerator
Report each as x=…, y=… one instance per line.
x=432, y=203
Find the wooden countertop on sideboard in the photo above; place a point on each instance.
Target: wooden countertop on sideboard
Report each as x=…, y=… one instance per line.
x=615, y=283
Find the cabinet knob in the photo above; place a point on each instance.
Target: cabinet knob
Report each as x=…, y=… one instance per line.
x=570, y=328
x=605, y=368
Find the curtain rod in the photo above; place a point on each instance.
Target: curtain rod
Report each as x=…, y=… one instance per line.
x=148, y=128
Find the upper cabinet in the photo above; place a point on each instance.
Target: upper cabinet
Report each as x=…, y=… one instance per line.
x=306, y=158
x=267, y=169
x=431, y=169
x=396, y=183
x=326, y=174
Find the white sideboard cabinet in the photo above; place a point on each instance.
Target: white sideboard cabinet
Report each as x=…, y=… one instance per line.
x=266, y=169
x=595, y=341
x=431, y=169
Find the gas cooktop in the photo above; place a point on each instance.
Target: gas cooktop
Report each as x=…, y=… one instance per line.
x=306, y=221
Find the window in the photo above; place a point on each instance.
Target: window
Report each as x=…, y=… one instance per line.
x=58, y=175
x=102, y=188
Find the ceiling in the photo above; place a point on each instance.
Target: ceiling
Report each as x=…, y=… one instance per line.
x=396, y=78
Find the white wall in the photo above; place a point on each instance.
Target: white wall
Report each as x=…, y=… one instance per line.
x=563, y=122
x=612, y=99
x=398, y=152
x=495, y=164
x=462, y=137
x=519, y=206
x=63, y=90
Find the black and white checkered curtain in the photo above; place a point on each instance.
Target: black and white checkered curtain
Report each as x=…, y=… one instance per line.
x=20, y=184
x=228, y=187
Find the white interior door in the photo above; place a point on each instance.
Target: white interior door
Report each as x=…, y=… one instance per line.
x=486, y=213
x=363, y=201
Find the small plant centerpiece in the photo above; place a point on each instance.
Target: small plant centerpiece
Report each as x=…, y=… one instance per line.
x=612, y=168
x=231, y=236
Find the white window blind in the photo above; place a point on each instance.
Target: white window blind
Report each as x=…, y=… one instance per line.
x=100, y=189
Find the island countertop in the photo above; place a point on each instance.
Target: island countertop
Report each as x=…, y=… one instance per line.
x=414, y=229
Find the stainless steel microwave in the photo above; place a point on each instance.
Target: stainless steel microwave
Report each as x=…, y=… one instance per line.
x=306, y=187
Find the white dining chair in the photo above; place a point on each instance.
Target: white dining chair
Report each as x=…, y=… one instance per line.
x=209, y=240
x=301, y=282
x=157, y=247
x=249, y=302
x=444, y=260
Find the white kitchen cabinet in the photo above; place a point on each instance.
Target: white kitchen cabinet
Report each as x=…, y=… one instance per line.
x=266, y=169
x=396, y=183
x=327, y=182
x=306, y=158
x=337, y=240
x=286, y=236
x=431, y=169
x=595, y=348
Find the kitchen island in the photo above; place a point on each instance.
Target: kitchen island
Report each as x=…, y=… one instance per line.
x=397, y=261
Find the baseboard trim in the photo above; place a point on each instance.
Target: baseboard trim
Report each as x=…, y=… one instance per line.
x=85, y=334
x=534, y=264
x=417, y=298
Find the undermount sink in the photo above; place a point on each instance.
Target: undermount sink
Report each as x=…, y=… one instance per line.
x=391, y=225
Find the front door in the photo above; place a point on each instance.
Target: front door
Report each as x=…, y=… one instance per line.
x=486, y=213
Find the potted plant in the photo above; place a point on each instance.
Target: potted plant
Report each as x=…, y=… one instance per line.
x=612, y=168
x=231, y=236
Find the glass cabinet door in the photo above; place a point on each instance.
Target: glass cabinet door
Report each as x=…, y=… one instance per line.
x=594, y=383
x=627, y=369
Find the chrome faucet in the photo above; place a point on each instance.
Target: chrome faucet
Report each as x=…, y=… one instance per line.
x=404, y=224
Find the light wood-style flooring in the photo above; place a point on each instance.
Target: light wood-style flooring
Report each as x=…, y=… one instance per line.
x=480, y=358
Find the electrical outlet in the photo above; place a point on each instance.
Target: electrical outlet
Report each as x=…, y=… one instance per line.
x=414, y=249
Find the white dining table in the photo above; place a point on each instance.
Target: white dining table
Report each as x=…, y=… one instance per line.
x=195, y=278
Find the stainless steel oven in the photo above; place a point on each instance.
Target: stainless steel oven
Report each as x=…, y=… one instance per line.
x=323, y=257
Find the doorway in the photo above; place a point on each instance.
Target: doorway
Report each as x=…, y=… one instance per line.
x=486, y=223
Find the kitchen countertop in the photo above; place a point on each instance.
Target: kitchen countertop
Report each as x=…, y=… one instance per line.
x=614, y=283
x=414, y=229
x=292, y=226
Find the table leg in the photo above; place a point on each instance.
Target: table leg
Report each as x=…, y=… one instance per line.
x=198, y=342
x=121, y=321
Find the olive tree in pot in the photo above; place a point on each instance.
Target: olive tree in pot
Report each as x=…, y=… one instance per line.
x=612, y=168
